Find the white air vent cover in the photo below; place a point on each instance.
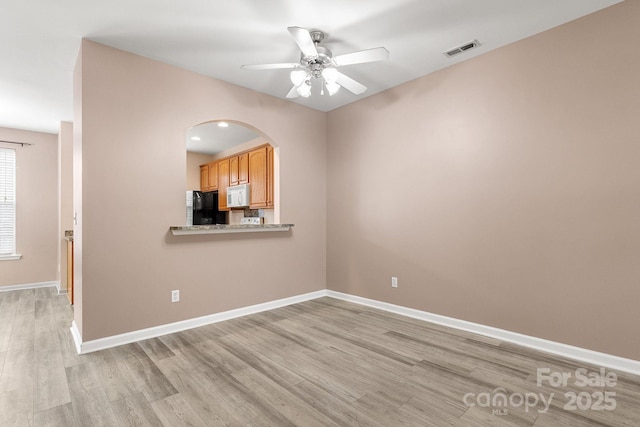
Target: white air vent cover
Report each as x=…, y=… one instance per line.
x=462, y=48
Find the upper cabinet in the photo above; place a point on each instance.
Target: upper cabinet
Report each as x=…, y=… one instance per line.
x=223, y=183
x=204, y=177
x=270, y=174
x=239, y=169
x=243, y=168
x=261, y=177
x=209, y=177
x=213, y=176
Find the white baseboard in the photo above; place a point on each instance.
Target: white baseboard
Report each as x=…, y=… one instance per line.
x=571, y=352
x=29, y=286
x=560, y=349
x=156, y=331
x=77, y=338
x=61, y=290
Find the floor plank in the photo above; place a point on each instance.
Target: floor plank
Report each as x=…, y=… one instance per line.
x=114, y=376
x=145, y=374
x=16, y=406
x=175, y=411
x=135, y=410
x=51, y=387
x=61, y=415
x=90, y=403
x=284, y=401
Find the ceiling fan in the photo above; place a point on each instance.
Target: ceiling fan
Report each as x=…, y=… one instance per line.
x=317, y=62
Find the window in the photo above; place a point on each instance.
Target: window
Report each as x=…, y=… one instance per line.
x=7, y=203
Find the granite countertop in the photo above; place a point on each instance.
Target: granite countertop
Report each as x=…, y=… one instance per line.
x=224, y=228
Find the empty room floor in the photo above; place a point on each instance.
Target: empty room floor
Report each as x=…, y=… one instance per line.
x=324, y=362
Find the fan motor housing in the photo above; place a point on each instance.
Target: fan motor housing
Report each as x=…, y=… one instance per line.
x=321, y=61
x=324, y=54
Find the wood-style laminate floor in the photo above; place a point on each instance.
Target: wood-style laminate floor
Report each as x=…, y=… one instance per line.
x=319, y=363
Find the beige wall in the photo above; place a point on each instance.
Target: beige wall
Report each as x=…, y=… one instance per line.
x=36, y=209
x=194, y=160
x=503, y=190
x=78, y=178
x=134, y=113
x=65, y=195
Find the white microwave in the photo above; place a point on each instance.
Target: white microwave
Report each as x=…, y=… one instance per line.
x=238, y=196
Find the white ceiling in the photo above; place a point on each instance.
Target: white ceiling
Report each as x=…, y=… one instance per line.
x=39, y=41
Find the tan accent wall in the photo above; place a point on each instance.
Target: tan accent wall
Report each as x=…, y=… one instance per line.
x=134, y=115
x=36, y=209
x=504, y=190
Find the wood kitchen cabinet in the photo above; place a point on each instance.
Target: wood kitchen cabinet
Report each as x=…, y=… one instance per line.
x=223, y=183
x=213, y=176
x=243, y=168
x=269, y=176
x=233, y=170
x=261, y=177
x=209, y=177
x=239, y=169
x=204, y=177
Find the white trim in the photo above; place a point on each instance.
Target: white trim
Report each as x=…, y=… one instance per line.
x=565, y=350
x=156, y=331
x=61, y=290
x=560, y=349
x=77, y=338
x=11, y=257
x=29, y=286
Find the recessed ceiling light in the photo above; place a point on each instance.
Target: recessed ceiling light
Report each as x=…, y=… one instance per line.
x=195, y=138
x=223, y=124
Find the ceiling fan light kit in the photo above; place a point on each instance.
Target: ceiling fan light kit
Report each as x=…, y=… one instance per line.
x=330, y=75
x=298, y=77
x=332, y=88
x=304, y=90
x=318, y=62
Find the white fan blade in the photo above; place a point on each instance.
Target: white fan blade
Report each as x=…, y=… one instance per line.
x=350, y=84
x=369, y=55
x=271, y=66
x=304, y=41
x=293, y=93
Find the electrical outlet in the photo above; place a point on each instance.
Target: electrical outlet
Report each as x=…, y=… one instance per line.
x=175, y=295
x=394, y=282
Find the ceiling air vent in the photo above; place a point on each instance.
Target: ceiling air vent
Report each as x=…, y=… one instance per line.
x=462, y=48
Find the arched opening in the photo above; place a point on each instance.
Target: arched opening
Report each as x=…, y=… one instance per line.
x=223, y=154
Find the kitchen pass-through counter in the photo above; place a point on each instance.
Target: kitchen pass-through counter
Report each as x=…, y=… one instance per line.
x=224, y=228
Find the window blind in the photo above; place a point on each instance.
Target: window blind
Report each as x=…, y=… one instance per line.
x=7, y=201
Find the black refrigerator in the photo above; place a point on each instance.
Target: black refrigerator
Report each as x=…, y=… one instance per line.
x=205, y=209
